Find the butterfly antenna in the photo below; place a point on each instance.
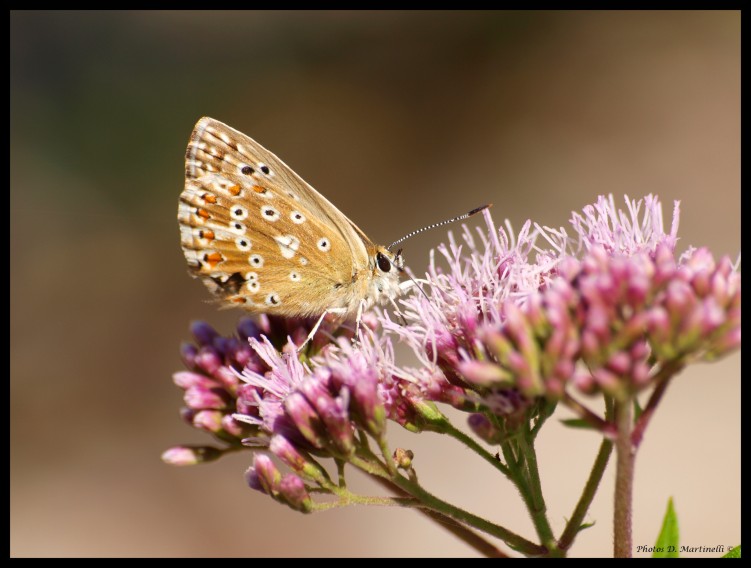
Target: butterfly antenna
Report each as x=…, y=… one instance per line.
x=440, y=224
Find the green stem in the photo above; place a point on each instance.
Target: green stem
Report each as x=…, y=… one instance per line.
x=588, y=494
x=662, y=379
x=624, y=480
x=433, y=503
x=545, y=412
x=516, y=474
x=469, y=537
x=586, y=414
x=538, y=510
x=450, y=430
x=353, y=499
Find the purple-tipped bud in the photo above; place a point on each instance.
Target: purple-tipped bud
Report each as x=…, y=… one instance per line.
x=203, y=332
x=368, y=408
x=725, y=344
x=188, y=379
x=484, y=428
x=227, y=378
x=188, y=353
x=268, y=475
x=199, y=398
x=484, y=374
x=292, y=491
x=252, y=479
x=619, y=363
x=233, y=427
x=333, y=413
x=285, y=451
x=306, y=419
x=187, y=414
x=246, y=328
x=208, y=420
x=190, y=455
x=208, y=359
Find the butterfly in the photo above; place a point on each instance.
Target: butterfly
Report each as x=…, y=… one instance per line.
x=261, y=238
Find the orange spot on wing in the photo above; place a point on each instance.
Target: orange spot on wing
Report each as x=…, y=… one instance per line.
x=213, y=259
x=235, y=189
x=208, y=235
x=259, y=189
x=209, y=198
x=238, y=300
x=203, y=213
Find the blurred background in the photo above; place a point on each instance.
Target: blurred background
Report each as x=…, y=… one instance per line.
x=400, y=119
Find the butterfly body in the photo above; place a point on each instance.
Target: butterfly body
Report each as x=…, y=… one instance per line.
x=263, y=239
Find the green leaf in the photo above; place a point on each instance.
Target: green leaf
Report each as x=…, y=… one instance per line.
x=577, y=423
x=667, y=543
x=734, y=552
x=585, y=526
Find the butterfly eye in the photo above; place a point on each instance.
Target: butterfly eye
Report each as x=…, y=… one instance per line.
x=383, y=263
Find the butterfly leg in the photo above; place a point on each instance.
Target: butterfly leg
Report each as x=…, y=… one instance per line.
x=356, y=338
x=318, y=324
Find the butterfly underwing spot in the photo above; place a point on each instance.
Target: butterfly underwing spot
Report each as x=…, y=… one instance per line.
x=273, y=300
x=297, y=217
x=238, y=212
x=256, y=260
x=202, y=213
x=254, y=286
x=212, y=259
x=209, y=198
x=234, y=190
x=324, y=244
x=206, y=234
x=269, y=213
x=262, y=191
x=303, y=261
x=229, y=284
x=265, y=169
x=288, y=244
x=237, y=228
x=242, y=243
x=294, y=276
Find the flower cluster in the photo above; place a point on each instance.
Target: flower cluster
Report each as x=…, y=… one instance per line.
x=505, y=326
x=212, y=382
x=599, y=312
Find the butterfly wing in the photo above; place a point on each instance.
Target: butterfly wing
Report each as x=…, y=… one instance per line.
x=258, y=235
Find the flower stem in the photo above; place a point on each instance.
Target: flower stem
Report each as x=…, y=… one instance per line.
x=461, y=516
x=588, y=494
x=662, y=379
x=469, y=537
x=538, y=508
x=586, y=414
x=624, y=480
x=450, y=430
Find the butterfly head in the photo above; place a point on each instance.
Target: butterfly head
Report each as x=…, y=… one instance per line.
x=385, y=267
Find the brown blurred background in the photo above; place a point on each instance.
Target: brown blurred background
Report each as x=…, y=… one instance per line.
x=400, y=119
